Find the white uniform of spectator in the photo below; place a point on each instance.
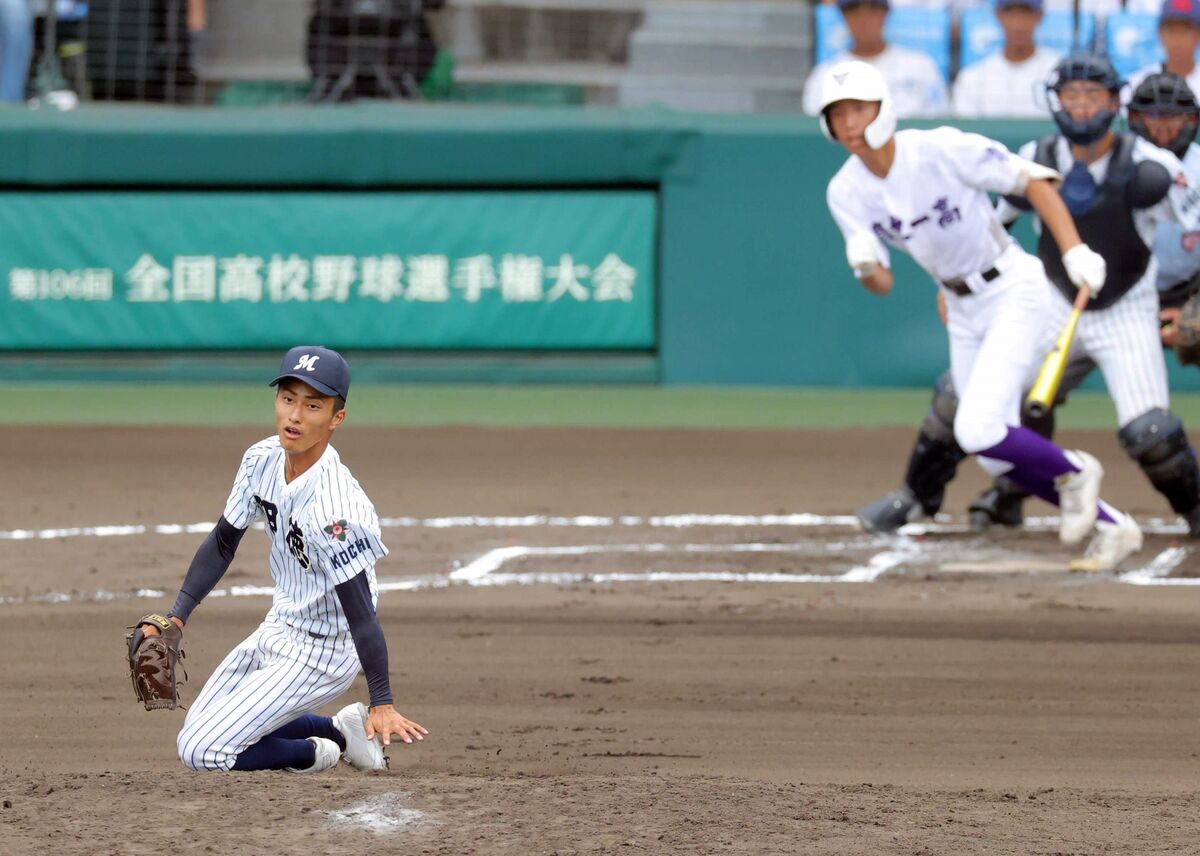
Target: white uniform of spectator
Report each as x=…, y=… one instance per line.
x=996, y=88
x=1010, y=83
x=917, y=86
x=1179, y=32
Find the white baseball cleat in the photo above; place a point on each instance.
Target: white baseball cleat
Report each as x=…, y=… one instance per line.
x=328, y=754
x=1078, y=494
x=1112, y=544
x=361, y=753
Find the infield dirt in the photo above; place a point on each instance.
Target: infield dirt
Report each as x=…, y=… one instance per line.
x=922, y=713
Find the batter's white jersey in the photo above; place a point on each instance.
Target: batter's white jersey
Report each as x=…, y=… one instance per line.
x=934, y=204
x=323, y=531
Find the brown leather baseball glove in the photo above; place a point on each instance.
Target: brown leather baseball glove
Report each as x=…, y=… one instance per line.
x=1187, y=343
x=153, y=660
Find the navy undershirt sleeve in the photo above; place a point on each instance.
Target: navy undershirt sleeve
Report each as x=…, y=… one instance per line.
x=355, y=598
x=211, y=561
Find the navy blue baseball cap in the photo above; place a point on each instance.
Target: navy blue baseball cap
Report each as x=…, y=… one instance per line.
x=1035, y=5
x=323, y=369
x=1180, y=10
x=846, y=4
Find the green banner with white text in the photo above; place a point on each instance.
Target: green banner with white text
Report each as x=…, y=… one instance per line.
x=563, y=270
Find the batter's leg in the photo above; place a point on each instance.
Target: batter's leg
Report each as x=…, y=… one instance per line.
x=1003, y=503
x=988, y=417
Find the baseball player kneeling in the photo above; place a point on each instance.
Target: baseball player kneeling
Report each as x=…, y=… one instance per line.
x=256, y=711
x=926, y=192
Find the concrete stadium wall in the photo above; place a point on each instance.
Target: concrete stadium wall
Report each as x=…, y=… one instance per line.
x=753, y=286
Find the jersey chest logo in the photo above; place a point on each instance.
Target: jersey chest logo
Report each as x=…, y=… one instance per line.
x=271, y=511
x=295, y=545
x=895, y=232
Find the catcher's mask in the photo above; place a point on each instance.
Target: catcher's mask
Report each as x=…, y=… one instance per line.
x=1165, y=94
x=1082, y=66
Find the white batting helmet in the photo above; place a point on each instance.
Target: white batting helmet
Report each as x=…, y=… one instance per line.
x=855, y=80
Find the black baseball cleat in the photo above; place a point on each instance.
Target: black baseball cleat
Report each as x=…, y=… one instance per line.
x=890, y=512
x=996, y=507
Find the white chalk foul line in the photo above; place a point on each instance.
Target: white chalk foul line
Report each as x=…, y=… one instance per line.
x=942, y=525
x=672, y=521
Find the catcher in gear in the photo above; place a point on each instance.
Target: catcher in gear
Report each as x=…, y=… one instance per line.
x=1164, y=112
x=153, y=659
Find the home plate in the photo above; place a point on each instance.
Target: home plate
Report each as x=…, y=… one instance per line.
x=1006, y=566
x=380, y=813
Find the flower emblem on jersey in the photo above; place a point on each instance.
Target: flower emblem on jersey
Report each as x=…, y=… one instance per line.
x=337, y=530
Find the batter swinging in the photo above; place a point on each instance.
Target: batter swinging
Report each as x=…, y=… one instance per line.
x=925, y=192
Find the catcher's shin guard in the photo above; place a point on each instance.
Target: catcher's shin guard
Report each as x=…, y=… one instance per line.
x=932, y=463
x=936, y=455
x=1156, y=440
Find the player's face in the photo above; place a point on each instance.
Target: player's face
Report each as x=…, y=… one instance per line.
x=865, y=22
x=1083, y=99
x=1018, y=23
x=1162, y=128
x=304, y=418
x=848, y=120
x=1180, y=40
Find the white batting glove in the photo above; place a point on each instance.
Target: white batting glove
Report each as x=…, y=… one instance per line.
x=1085, y=267
x=861, y=255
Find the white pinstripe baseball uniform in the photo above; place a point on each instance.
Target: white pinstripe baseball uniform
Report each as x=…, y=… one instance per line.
x=323, y=531
x=1123, y=339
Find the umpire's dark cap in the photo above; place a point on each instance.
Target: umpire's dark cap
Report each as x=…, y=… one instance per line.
x=323, y=369
x=846, y=4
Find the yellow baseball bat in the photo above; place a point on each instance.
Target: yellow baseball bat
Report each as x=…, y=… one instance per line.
x=1041, y=395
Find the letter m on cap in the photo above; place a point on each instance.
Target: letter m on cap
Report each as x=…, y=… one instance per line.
x=308, y=362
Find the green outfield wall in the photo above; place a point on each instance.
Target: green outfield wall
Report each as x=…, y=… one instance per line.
x=718, y=259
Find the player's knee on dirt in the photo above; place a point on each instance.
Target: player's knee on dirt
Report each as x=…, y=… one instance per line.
x=935, y=456
x=200, y=752
x=1156, y=440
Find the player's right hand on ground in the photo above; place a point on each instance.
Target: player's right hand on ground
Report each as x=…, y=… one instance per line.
x=385, y=721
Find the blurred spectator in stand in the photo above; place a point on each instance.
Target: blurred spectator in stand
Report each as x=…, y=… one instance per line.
x=370, y=48
x=1179, y=32
x=198, y=35
x=16, y=49
x=916, y=85
x=1008, y=84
